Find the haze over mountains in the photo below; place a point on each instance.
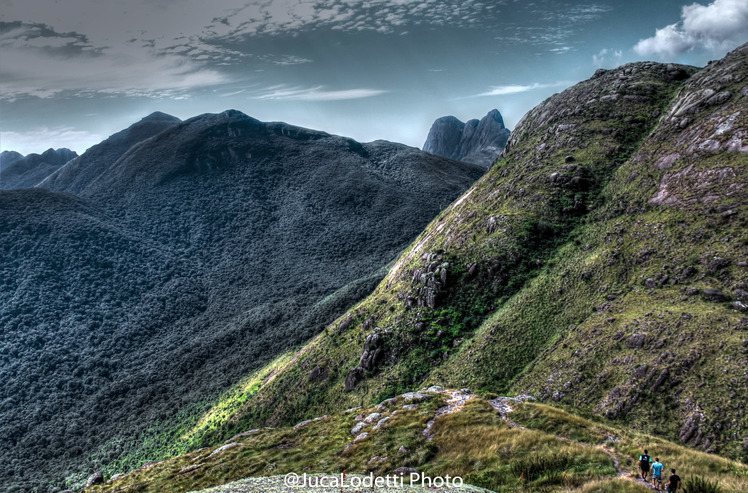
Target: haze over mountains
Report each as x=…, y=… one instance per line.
x=17, y=171
x=191, y=253
x=475, y=141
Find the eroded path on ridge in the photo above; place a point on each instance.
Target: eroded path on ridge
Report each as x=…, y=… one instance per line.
x=504, y=406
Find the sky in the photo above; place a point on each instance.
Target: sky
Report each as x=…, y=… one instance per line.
x=73, y=72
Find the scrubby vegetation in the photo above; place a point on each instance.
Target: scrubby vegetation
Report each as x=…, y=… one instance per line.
x=474, y=443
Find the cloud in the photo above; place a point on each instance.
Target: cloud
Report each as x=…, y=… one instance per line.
x=39, y=61
x=384, y=16
x=42, y=138
x=607, y=58
x=288, y=60
x=716, y=27
x=285, y=93
x=515, y=89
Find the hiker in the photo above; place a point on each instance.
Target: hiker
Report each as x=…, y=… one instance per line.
x=657, y=468
x=674, y=483
x=644, y=461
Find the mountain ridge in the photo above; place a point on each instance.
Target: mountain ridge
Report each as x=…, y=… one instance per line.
x=640, y=293
x=78, y=174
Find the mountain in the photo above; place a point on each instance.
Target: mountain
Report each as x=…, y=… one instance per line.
x=477, y=142
x=81, y=171
x=200, y=254
x=28, y=171
x=598, y=265
x=9, y=157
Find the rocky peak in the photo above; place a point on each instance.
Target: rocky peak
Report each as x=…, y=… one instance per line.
x=475, y=141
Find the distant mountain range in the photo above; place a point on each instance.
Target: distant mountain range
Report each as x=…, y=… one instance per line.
x=599, y=265
x=165, y=263
x=476, y=141
x=79, y=173
x=18, y=171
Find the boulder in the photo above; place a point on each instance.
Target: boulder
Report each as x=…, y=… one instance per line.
x=714, y=295
x=636, y=341
x=95, y=478
x=354, y=376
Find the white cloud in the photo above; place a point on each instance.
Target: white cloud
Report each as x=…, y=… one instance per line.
x=607, y=58
x=515, y=89
x=716, y=27
x=42, y=138
x=285, y=93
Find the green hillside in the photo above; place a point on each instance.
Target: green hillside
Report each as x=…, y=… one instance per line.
x=501, y=444
x=599, y=266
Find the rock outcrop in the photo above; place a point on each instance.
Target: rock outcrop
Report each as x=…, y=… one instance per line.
x=477, y=142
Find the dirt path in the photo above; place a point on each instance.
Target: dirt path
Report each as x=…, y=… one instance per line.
x=503, y=406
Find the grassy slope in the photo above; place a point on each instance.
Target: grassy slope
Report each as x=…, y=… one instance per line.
x=546, y=283
x=556, y=450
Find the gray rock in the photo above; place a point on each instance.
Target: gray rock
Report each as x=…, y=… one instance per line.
x=477, y=142
x=358, y=427
x=373, y=352
x=415, y=397
x=405, y=471
x=372, y=417
x=718, y=263
x=636, y=341
x=403, y=450
x=640, y=372
x=354, y=376
x=714, y=295
x=95, y=478
x=660, y=380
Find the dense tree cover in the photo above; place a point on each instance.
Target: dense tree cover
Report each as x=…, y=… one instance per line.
x=199, y=255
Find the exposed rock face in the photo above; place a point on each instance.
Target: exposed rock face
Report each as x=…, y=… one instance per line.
x=82, y=171
x=28, y=171
x=477, y=142
x=95, y=478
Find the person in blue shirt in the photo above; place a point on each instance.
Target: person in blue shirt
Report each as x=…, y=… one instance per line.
x=657, y=468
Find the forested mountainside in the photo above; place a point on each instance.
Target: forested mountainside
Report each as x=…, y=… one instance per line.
x=193, y=257
x=79, y=173
x=18, y=171
x=599, y=265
